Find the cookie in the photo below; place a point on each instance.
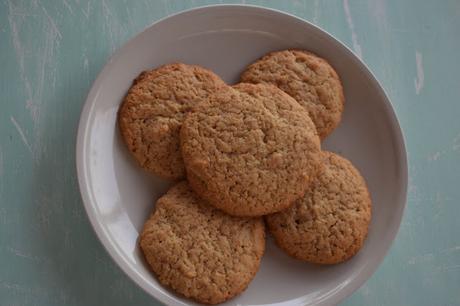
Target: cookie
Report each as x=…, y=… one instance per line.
x=250, y=150
x=199, y=251
x=153, y=110
x=307, y=78
x=330, y=223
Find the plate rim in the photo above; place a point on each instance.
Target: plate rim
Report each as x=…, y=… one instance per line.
x=83, y=130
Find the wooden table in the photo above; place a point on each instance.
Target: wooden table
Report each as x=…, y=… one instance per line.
x=50, y=53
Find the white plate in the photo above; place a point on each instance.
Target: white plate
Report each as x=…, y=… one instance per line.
x=118, y=196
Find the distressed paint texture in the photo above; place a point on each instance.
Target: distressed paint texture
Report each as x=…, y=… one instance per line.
x=419, y=81
x=50, y=53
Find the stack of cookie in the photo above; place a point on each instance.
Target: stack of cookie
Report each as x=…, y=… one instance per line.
x=243, y=154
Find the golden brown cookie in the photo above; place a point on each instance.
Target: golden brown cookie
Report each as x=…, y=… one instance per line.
x=199, y=251
x=250, y=150
x=153, y=110
x=307, y=78
x=329, y=224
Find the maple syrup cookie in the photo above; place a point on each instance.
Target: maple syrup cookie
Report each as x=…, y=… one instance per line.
x=306, y=77
x=198, y=250
x=330, y=223
x=250, y=150
x=153, y=110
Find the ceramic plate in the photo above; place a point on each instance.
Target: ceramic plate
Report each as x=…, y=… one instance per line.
x=118, y=196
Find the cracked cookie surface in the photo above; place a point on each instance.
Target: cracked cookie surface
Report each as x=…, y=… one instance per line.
x=153, y=110
x=198, y=250
x=306, y=77
x=330, y=223
x=250, y=150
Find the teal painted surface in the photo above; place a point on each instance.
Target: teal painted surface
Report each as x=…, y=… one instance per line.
x=51, y=52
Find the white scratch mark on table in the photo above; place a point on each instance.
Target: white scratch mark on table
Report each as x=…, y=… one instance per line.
x=130, y=18
x=456, y=143
x=15, y=35
x=52, y=40
x=87, y=11
x=13, y=18
x=365, y=291
x=452, y=249
x=44, y=211
x=434, y=157
x=448, y=268
x=67, y=5
x=438, y=154
x=51, y=20
x=108, y=16
x=421, y=259
x=379, y=12
x=351, y=26
x=419, y=81
x=428, y=257
x=22, y=254
x=33, y=99
x=298, y=3
x=21, y=133
x=167, y=9
x=316, y=12
x=85, y=64
x=22, y=290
